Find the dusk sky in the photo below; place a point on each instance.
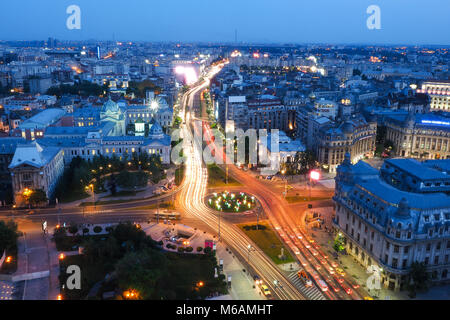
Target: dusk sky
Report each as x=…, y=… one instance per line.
x=272, y=21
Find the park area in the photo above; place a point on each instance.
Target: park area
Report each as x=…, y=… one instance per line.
x=266, y=240
x=127, y=260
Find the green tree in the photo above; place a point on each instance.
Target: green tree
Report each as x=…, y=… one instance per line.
x=37, y=197
x=419, y=278
x=8, y=235
x=339, y=244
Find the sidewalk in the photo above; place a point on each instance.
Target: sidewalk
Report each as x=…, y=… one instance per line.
x=241, y=283
x=37, y=266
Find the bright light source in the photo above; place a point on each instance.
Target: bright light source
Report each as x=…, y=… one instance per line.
x=314, y=175
x=190, y=76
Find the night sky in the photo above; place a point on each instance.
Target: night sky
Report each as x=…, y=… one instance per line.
x=269, y=21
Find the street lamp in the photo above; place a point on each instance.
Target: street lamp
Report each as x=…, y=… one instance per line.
x=283, y=172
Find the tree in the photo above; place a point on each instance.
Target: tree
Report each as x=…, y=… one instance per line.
x=307, y=161
x=37, y=197
x=8, y=235
x=339, y=244
x=419, y=278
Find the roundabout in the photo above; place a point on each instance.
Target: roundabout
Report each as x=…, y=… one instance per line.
x=233, y=202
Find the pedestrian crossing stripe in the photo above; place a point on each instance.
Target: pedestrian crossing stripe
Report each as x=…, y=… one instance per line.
x=312, y=293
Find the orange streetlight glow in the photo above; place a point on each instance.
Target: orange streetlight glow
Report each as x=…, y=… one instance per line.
x=59, y=297
x=61, y=256
x=8, y=259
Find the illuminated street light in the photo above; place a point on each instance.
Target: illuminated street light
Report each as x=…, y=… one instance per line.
x=314, y=175
x=59, y=297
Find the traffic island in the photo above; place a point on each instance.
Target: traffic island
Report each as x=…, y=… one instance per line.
x=232, y=202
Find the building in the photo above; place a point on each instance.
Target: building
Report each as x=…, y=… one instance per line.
x=35, y=126
x=423, y=136
x=439, y=92
x=355, y=136
x=7, y=148
x=326, y=108
x=35, y=167
x=396, y=216
x=287, y=148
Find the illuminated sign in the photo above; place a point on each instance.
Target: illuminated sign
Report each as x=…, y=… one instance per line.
x=442, y=123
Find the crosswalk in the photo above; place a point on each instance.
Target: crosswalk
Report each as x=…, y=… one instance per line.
x=312, y=293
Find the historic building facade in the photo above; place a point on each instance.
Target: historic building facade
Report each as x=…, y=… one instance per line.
x=396, y=216
x=423, y=136
x=355, y=136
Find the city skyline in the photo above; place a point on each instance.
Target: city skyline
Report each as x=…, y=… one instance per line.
x=298, y=23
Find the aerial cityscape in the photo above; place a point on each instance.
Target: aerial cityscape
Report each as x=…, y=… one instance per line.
x=223, y=163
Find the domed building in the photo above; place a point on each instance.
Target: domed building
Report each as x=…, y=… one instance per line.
x=111, y=112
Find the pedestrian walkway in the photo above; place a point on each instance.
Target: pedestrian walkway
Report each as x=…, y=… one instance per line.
x=312, y=293
x=242, y=284
x=38, y=266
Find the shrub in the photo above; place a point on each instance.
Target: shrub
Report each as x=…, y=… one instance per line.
x=85, y=230
x=73, y=229
x=207, y=250
x=180, y=249
x=199, y=249
x=189, y=249
x=98, y=229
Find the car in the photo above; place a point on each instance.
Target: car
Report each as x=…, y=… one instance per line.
x=340, y=272
x=318, y=267
x=355, y=286
x=265, y=290
x=334, y=264
x=340, y=280
x=322, y=261
x=368, y=298
x=257, y=280
x=335, y=289
x=331, y=270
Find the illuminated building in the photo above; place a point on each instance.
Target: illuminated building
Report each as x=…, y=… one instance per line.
x=332, y=141
x=423, y=136
x=396, y=216
x=439, y=92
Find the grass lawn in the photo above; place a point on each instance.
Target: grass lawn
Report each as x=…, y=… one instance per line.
x=268, y=242
x=179, y=175
x=74, y=197
x=164, y=205
x=216, y=178
x=71, y=243
x=294, y=199
x=124, y=193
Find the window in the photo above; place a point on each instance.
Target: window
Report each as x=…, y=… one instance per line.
x=438, y=246
x=406, y=249
x=436, y=260
x=396, y=249
x=427, y=259
x=428, y=247
x=388, y=245
x=394, y=263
